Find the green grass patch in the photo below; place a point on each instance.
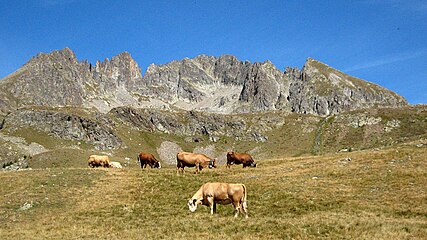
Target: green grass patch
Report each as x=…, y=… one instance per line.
x=377, y=195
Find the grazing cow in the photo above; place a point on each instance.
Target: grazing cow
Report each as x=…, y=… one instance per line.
x=240, y=158
x=148, y=159
x=98, y=161
x=115, y=165
x=200, y=161
x=223, y=193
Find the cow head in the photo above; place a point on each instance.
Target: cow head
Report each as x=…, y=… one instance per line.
x=253, y=164
x=157, y=165
x=212, y=163
x=192, y=204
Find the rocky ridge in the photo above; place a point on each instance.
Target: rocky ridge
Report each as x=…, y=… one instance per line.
x=97, y=130
x=205, y=83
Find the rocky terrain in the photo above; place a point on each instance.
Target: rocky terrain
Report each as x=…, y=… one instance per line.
x=210, y=84
x=56, y=106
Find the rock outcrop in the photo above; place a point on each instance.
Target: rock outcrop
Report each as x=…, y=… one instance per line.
x=321, y=90
x=98, y=131
x=58, y=79
x=204, y=83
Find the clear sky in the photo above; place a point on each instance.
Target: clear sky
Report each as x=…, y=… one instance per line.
x=381, y=41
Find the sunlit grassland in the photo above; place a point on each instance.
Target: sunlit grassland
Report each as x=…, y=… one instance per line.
x=376, y=195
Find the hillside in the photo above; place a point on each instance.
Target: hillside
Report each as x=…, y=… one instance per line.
x=377, y=194
x=56, y=102
x=48, y=135
x=338, y=157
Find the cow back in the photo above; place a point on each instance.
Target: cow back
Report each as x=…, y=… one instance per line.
x=224, y=191
x=146, y=156
x=239, y=157
x=191, y=159
x=99, y=160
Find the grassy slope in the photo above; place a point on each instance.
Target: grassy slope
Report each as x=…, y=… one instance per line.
x=299, y=136
x=378, y=194
x=412, y=126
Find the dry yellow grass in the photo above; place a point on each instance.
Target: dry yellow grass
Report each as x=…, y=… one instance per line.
x=377, y=195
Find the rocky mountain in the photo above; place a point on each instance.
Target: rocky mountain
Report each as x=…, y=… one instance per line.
x=205, y=83
x=58, y=79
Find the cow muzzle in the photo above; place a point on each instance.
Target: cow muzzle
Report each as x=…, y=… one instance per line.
x=192, y=206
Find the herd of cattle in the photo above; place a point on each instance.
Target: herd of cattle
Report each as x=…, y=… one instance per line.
x=183, y=159
x=210, y=193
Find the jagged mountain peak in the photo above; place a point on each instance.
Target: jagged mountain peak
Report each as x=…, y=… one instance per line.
x=63, y=55
x=221, y=84
x=317, y=70
x=324, y=90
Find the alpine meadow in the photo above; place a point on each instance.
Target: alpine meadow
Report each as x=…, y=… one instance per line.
x=331, y=156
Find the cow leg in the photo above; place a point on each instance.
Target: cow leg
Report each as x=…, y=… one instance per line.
x=214, y=207
x=179, y=169
x=244, y=208
x=236, y=209
x=211, y=204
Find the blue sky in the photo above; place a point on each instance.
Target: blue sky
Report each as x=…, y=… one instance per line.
x=382, y=41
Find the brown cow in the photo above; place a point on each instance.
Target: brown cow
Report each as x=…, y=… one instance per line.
x=223, y=193
x=148, y=159
x=200, y=161
x=98, y=161
x=240, y=158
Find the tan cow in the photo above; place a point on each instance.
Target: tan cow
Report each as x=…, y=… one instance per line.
x=223, y=193
x=240, y=158
x=98, y=161
x=200, y=161
x=115, y=165
x=148, y=159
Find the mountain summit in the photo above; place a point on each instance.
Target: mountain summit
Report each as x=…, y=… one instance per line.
x=205, y=83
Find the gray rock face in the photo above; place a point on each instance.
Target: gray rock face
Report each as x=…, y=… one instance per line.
x=167, y=152
x=58, y=79
x=204, y=83
x=264, y=88
x=98, y=132
x=321, y=90
x=193, y=123
x=48, y=79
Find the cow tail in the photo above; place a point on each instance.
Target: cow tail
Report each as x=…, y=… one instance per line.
x=244, y=204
